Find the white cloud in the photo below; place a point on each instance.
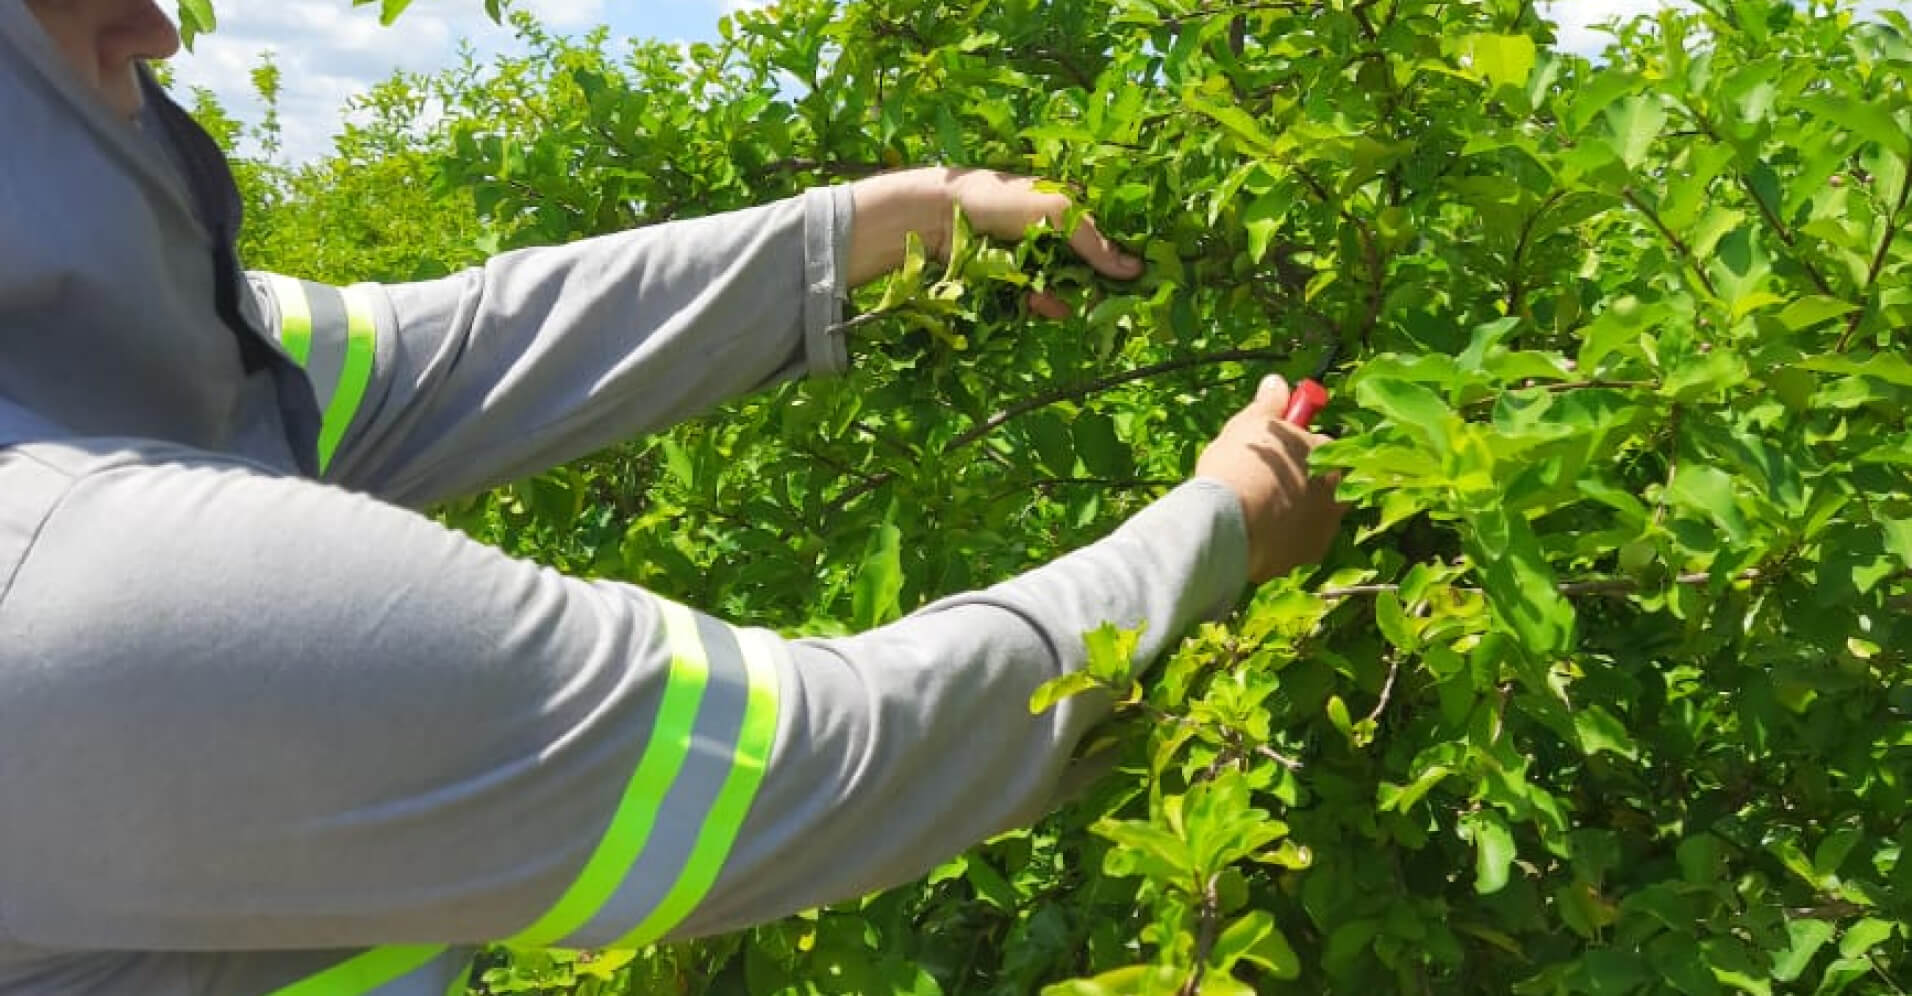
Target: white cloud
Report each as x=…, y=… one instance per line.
x=329, y=51
x=1579, y=20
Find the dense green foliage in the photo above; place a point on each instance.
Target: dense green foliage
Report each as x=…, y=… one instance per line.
x=1607, y=689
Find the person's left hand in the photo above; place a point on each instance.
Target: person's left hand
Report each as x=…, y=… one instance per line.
x=1000, y=205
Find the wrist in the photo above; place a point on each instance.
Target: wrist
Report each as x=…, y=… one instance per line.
x=888, y=208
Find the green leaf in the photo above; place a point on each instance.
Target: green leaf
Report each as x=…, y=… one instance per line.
x=1805, y=938
x=1051, y=692
x=1393, y=620
x=1150, y=850
x=1102, y=451
x=991, y=887
x=199, y=15
x=1898, y=539
x=1889, y=367
x=1111, y=653
x=1503, y=60
x=1865, y=935
x=1812, y=309
x=1870, y=120
x=1264, y=216
x=907, y=281
x=1600, y=730
x=678, y=463
x=1493, y=849
x=1133, y=980
x=1636, y=122
x=1409, y=405
x=1708, y=493
x=879, y=581
x=1338, y=716
x=1402, y=798
x=1254, y=937
x=389, y=10
x=1240, y=122
x=1519, y=584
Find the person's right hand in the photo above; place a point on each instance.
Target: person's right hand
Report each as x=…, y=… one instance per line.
x=1292, y=516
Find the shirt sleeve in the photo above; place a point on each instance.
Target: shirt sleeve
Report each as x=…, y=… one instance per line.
x=440, y=388
x=248, y=712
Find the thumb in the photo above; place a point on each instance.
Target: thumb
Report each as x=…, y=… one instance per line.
x=1272, y=395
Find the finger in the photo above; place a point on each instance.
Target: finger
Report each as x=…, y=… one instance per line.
x=1272, y=396
x=1106, y=257
x=1047, y=305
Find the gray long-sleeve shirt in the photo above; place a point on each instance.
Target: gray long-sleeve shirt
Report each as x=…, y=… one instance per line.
x=266, y=729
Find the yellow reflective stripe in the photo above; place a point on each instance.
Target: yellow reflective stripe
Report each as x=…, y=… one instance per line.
x=363, y=973
x=637, y=811
x=361, y=336
x=295, y=317
x=726, y=816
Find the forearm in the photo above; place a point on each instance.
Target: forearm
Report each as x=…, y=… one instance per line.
x=891, y=206
x=901, y=746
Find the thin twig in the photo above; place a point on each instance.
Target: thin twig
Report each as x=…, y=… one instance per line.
x=1387, y=690
x=1878, y=264
x=1070, y=392
x=1679, y=245
x=1516, y=280
x=1563, y=387
x=1772, y=219
x=1881, y=972
x=1205, y=941
x=1595, y=586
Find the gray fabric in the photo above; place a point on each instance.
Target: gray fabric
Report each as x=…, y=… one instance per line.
x=300, y=716
x=248, y=718
x=543, y=355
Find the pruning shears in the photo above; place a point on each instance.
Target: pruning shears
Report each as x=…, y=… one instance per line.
x=1309, y=397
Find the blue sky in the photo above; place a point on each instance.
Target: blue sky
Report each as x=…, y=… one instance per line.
x=330, y=50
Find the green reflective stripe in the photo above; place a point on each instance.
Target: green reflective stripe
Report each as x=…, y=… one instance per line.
x=363, y=973
x=636, y=814
x=361, y=334
x=726, y=816
x=295, y=317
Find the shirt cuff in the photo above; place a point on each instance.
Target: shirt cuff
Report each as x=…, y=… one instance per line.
x=1217, y=583
x=828, y=214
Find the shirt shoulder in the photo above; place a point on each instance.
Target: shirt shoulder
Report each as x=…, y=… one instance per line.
x=36, y=477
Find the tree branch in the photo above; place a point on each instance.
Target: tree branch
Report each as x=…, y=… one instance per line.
x=1878, y=264
x=1516, y=282
x=1595, y=586
x=800, y=164
x=1205, y=941
x=1068, y=393
x=1686, y=254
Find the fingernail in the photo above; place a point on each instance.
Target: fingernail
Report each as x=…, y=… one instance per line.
x=1269, y=384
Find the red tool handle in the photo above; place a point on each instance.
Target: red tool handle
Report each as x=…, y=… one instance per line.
x=1308, y=398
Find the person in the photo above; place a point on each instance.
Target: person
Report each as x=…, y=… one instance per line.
x=265, y=728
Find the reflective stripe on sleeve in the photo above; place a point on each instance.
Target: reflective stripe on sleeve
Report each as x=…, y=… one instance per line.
x=295, y=317
x=664, y=753
x=389, y=971
x=686, y=803
x=355, y=373
x=726, y=817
